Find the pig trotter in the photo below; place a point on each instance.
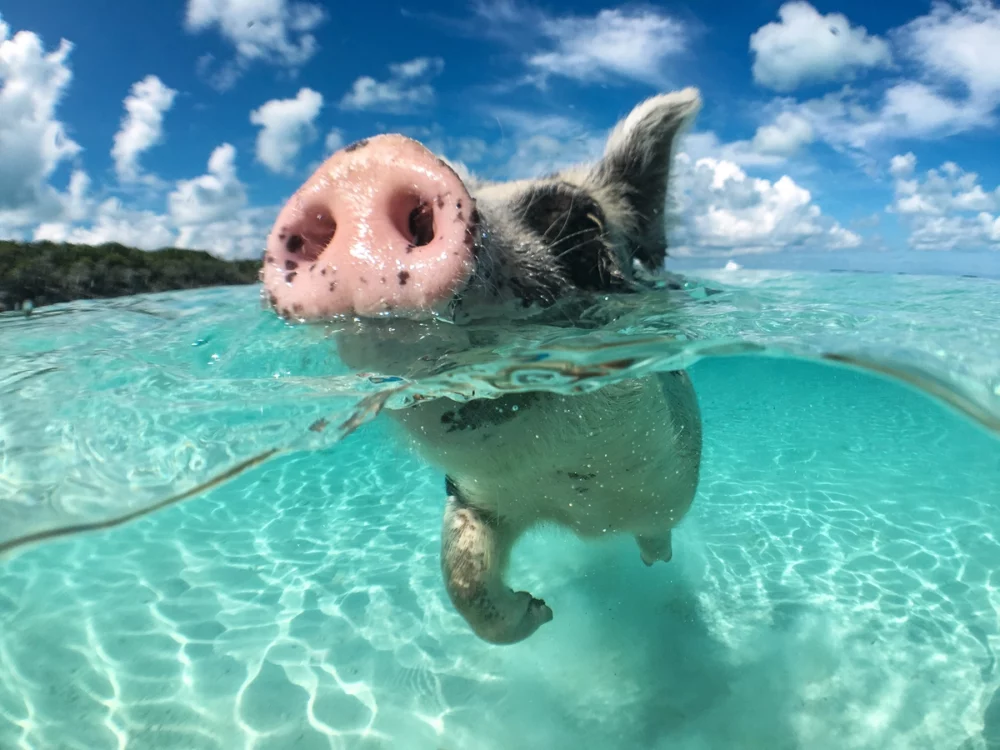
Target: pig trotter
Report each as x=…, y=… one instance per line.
x=653, y=548
x=475, y=549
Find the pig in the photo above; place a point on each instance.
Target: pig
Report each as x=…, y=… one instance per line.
x=384, y=230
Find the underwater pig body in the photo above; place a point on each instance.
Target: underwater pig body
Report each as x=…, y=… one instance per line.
x=384, y=229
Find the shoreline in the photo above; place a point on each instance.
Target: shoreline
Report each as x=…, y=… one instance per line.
x=39, y=274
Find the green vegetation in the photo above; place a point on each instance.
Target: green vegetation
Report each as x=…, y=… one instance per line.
x=48, y=272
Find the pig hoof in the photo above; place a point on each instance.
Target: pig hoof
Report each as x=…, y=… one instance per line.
x=535, y=613
x=653, y=548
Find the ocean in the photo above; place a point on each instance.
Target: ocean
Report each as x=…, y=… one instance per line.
x=187, y=561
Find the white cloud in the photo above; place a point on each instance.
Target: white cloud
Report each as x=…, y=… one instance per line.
x=945, y=209
x=620, y=44
x=142, y=126
x=902, y=165
x=417, y=68
x=806, y=47
x=743, y=152
x=35, y=143
x=953, y=85
x=629, y=44
x=786, y=135
x=242, y=235
x=909, y=109
x=277, y=32
x=114, y=222
x=334, y=141
x=723, y=211
x=214, y=196
x=400, y=93
x=471, y=150
x=959, y=45
x=286, y=126
x=208, y=212
x=543, y=143
x=771, y=145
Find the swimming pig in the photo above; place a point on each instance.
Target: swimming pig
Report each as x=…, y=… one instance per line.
x=384, y=228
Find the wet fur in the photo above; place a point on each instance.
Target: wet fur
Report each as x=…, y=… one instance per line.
x=624, y=459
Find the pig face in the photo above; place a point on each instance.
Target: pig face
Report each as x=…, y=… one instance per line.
x=384, y=228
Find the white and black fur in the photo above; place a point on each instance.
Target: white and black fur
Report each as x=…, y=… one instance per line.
x=623, y=459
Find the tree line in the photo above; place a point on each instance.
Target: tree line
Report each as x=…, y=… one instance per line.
x=48, y=272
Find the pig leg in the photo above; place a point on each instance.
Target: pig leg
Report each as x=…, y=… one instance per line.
x=653, y=548
x=475, y=549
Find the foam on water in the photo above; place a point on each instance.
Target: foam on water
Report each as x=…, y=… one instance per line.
x=834, y=585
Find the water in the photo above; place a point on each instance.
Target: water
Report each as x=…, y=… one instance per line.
x=834, y=584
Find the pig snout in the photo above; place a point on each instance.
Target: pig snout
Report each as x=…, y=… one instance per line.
x=382, y=226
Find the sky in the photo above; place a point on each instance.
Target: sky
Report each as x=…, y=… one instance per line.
x=832, y=135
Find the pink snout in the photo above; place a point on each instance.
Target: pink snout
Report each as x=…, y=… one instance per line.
x=382, y=226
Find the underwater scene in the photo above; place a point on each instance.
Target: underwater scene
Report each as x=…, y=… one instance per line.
x=215, y=536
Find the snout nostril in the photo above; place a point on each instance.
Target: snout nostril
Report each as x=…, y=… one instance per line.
x=421, y=224
x=308, y=237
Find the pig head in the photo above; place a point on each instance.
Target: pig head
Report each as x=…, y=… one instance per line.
x=386, y=229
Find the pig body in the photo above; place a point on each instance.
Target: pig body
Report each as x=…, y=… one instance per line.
x=394, y=233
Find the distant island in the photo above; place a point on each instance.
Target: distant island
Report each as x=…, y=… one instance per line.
x=45, y=273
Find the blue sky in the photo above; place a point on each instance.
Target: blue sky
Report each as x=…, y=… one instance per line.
x=832, y=134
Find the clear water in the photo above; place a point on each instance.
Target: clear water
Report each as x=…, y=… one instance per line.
x=834, y=585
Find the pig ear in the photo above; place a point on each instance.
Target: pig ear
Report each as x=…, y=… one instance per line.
x=635, y=168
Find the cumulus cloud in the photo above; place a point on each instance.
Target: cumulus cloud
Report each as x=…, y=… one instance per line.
x=945, y=209
x=616, y=45
x=35, y=142
x=543, y=143
x=706, y=143
x=627, y=44
x=902, y=165
x=334, y=140
x=277, y=32
x=952, y=84
x=213, y=196
x=142, y=126
x=723, y=211
x=772, y=144
x=786, y=135
x=114, y=222
x=208, y=212
x=807, y=47
x=959, y=44
x=242, y=235
x=286, y=126
x=400, y=93
x=849, y=121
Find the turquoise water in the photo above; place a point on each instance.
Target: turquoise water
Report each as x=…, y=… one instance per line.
x=834, y=585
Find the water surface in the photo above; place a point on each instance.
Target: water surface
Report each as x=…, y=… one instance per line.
x=834, y=585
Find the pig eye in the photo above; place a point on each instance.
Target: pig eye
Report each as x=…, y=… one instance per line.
x=571, y=224
x=560, y=213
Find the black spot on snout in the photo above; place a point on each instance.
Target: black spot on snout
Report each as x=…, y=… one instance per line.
x=291, y=265
x=356, y=145
x=403, y=277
